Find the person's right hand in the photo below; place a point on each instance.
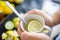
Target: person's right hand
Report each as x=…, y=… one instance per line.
x=47, y=18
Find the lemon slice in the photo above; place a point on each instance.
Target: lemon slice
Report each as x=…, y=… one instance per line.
x=4, y=35
x=12, y=33
x=34, y=26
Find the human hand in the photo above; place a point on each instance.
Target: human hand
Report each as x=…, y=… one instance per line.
x=48, y=19
x=32, y=36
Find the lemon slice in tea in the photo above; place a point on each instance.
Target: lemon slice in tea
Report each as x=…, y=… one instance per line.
x=34, y=26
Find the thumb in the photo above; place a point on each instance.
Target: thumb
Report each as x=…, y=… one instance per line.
x=19, y=30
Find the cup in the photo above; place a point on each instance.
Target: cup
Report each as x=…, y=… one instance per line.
x=30, y=17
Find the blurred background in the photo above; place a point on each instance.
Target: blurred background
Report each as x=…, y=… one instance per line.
x=23, y=6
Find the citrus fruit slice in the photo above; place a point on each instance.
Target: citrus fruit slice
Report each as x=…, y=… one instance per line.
x=4, y=35
x=16, y=21
x=12, y=33
x=9, y=25
x=34, y=26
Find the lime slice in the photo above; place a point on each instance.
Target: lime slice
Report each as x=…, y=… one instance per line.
x=16, y=21
x=9, y=25
x=34, y=26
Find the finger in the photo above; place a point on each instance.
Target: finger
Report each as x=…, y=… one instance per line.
x=19, y=29
x=24, y=36
x=34, y=36
x=32, y=11
x=35, y=11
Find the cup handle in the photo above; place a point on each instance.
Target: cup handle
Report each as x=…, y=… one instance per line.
x=46, y=28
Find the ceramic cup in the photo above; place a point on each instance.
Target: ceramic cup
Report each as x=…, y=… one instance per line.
x=34, y=16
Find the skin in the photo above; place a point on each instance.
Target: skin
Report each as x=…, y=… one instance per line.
x=49, y=20
x=56, y=19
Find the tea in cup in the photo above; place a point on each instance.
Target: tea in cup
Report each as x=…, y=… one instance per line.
x=35, y=23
